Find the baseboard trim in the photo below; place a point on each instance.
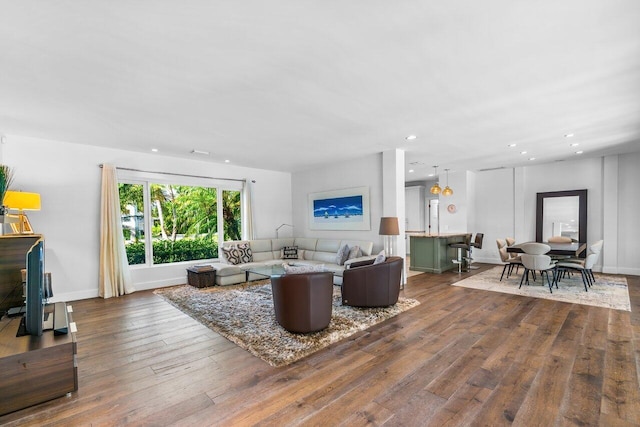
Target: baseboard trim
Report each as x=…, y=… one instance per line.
x=153, y=284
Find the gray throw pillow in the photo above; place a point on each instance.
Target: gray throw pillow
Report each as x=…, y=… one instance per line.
x=342, y=255
x=355, y=252
x=380, y=258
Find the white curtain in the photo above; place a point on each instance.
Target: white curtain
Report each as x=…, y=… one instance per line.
x=248, y=232
x=115, y=278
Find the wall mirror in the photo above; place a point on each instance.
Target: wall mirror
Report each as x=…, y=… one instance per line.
x=562, y=213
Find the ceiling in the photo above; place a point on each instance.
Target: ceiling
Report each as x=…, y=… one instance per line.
x=290, y=85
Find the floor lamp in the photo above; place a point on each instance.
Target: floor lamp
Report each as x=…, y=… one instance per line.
x=389, y=229
x=22, y=201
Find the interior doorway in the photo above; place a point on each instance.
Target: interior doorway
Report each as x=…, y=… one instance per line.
x=434, y=216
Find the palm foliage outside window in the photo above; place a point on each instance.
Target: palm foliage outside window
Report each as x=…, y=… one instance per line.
x=182, y=221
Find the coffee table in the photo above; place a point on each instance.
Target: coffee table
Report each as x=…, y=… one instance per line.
x=269, y=271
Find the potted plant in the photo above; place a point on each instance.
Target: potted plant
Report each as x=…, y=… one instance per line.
x=6, y=177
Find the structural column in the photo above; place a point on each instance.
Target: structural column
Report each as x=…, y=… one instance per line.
x=393, y=196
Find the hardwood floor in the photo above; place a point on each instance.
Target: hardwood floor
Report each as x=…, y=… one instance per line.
x=462, y=357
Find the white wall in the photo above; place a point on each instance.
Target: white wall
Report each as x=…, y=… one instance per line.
x=68, y=178
x=366, y=171
x=494, y=211
x=628, y=231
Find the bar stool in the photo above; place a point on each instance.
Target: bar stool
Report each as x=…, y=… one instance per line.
x=466, y=245
x=477, y=243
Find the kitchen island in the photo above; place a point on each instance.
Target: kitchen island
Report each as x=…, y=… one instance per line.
x=431, y=253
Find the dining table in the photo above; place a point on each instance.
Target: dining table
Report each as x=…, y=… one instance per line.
x=571, y=249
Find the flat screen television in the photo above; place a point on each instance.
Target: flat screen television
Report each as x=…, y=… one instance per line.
x=34, y=315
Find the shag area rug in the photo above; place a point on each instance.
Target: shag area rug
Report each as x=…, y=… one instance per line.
x=608, y=291
x=244, y=314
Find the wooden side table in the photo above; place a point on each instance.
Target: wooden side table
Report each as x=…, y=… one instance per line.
x=201, y=279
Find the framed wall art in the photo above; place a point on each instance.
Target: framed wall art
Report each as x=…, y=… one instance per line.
x=346, y=209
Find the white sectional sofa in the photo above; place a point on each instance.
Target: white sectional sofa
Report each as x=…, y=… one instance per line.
x=268, y=252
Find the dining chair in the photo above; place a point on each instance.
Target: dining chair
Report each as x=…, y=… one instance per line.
x=535, y=259
x=559, y=239
x=510, y=242
x=593, y=249
x=585, y=269
x=507, y=259
x=596, y=249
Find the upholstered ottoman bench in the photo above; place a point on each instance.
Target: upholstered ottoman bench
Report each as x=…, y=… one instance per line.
x=227, y=274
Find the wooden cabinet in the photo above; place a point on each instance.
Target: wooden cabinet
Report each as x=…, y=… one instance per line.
x=13, y=258
x=32, y=369
x=432, y=254
x=35, y=369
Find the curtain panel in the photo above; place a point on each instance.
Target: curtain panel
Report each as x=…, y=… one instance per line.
x=115, y=278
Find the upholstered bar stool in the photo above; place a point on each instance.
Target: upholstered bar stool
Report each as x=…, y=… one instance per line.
x=477, y=243
x=460, y=246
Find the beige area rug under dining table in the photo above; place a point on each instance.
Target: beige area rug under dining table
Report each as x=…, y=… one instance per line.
x=609, y=291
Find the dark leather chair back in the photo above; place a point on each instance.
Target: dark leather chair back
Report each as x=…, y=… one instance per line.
x=372, y=285
x=303, y=302
x=478, y=241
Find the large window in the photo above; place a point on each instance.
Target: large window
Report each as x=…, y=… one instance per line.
x=165, y=222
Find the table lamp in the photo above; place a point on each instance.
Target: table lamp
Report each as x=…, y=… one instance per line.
x=23, y=201
x=389, y=229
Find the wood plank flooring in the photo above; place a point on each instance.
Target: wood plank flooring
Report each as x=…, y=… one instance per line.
x=462, y=357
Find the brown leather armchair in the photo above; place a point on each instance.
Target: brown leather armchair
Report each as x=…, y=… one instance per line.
x=303, y=302
x=367, y=285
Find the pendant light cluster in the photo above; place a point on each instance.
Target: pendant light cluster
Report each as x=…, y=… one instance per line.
x=435, y=189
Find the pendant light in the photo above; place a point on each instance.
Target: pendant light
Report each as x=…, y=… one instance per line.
x=435, y=189
x=447, y=190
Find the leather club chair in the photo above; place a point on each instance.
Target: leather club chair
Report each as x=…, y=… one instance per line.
x=303, y=302
x=367, y=285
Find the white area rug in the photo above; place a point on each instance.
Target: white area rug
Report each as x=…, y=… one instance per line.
x=609, y=291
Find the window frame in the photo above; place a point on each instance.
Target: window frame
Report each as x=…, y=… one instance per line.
x=148, y=178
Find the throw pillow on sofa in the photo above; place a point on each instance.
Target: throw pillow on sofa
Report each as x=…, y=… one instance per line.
x=355, y=252
x=232, y=254
x=245, y=253
x=289, y=252
x=299, y=269
x=342, y=255
x=380, y=258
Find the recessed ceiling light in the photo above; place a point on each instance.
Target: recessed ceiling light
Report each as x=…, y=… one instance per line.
x=411, y=137
x=511, y=145
x=155, y=150
x=410, y=170
x=430, y=174
x=523, y=152
x=569, y=135
x=532, y=158
x=575, y=144
x=579, y=152
x=227, y=161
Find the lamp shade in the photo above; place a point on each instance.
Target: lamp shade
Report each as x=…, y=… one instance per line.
x=389, y=226
x=22, y=201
